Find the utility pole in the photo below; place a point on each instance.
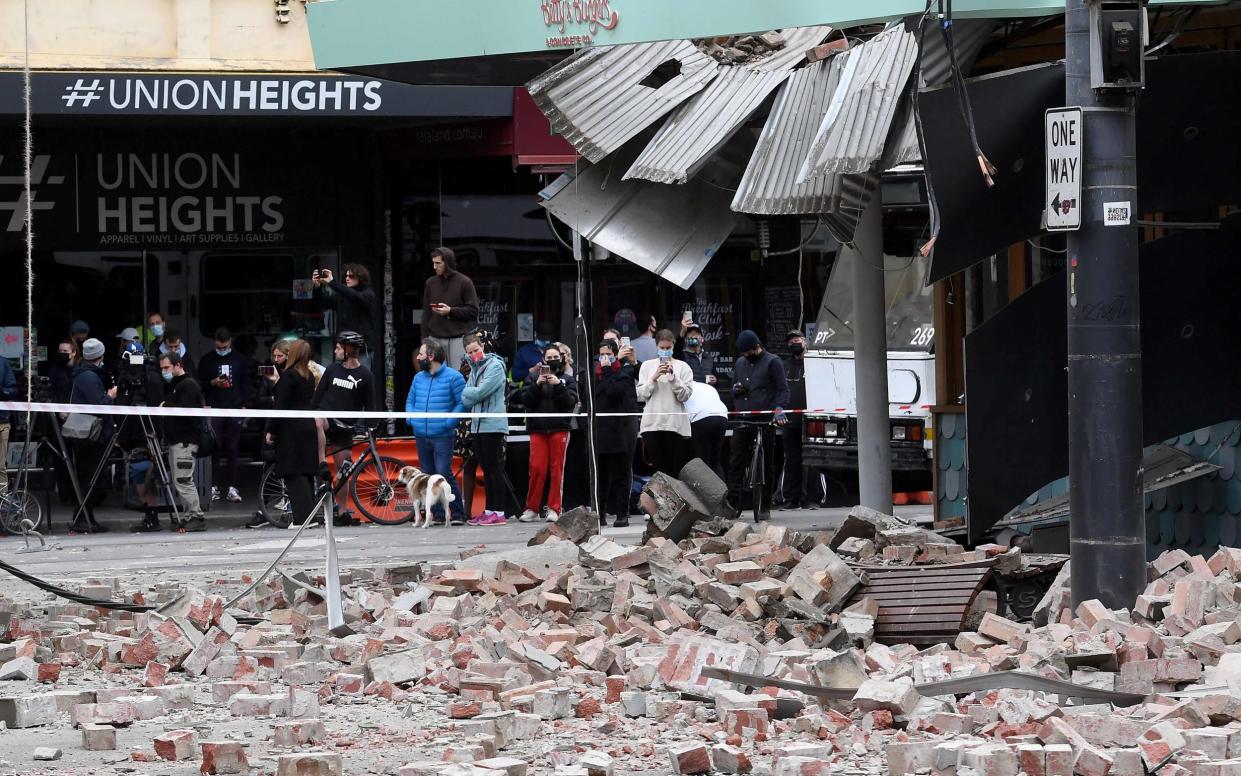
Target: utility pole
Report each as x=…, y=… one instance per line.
x=874, y=428
x=1107, y=524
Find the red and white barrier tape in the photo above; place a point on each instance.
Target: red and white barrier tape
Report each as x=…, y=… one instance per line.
x=213, y=412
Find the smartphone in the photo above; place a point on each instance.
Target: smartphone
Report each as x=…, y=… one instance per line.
x=665, y=359
x=624, y=342
x=226, y=370
x=267, y=371
x=544, y=369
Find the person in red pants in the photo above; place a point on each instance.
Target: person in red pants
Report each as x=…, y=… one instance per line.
x=549, y=390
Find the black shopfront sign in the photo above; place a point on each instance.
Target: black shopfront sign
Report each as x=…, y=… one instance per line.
x=147, y=189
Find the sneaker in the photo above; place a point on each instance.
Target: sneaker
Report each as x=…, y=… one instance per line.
x=492, y=518
x=457, y=520
x=437, y=519
x=763, y=517
x=621, y=522
x=196, y=524
x=603, y=520
x=552, y=516
x=233, y=495
x=215, y=493
x=529, y=516
x=478, y=519
x=345, y=520
x=258, y=521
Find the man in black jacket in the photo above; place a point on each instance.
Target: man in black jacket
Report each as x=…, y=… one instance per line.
x=181, y=435
x=224, y=375
x=700, y=362
x=759, y=385
x=354, y=301
x=800, y=492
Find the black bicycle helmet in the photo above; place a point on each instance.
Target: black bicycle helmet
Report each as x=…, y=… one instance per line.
x=352, y=338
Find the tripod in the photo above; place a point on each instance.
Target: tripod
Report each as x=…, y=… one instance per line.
x=157, y=460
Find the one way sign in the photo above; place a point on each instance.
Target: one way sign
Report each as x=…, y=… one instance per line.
x=1063, y=150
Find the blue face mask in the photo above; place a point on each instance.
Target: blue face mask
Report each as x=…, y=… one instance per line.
x=157, y=329
x=223, y=351
x=664, y=353
x=541, y=344
x=167, y=376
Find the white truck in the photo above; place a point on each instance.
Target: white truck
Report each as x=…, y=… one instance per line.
x=830, y=430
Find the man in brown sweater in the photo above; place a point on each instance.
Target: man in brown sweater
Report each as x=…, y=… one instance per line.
x=449, y=305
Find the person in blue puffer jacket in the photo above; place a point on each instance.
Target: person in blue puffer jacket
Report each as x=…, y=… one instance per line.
x=437, y=388
x=485, y=394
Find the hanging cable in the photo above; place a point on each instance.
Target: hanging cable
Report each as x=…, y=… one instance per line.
x=963, y=97
x=28, y=162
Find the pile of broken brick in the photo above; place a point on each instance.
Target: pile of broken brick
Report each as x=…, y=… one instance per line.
x=590, y=658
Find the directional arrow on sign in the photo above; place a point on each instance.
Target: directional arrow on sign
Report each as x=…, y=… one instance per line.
x=1055, y=204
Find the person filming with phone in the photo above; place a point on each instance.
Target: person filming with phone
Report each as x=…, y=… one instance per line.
x=664, y=384
x=357, y=308
x=449, y=304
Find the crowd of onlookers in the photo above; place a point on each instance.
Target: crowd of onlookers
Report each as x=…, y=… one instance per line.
x=656, y=399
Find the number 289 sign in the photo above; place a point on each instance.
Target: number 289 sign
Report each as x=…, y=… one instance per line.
x=1063, y=150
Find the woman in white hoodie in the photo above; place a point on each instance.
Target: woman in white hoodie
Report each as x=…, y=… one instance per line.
x=665, y=384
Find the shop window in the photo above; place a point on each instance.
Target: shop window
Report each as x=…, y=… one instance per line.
x=252, y=294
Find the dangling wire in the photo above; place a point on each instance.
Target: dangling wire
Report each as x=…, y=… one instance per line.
x=963, y=97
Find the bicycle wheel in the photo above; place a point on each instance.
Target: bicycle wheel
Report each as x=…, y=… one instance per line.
x=377, y=492
x=17, y=506
x=758, y=477
x=274, y=502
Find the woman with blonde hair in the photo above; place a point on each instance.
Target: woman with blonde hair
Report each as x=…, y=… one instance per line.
x=296, y=439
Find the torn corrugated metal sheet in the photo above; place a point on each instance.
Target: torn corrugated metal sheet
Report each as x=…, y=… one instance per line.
x=673, y=231
x=968, y=38
x=770, y=186
x=702, y=125
x=699, y=127
x=854, y=133
x=601, y=97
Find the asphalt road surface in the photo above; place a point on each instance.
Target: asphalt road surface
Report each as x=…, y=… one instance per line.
x=229, y=550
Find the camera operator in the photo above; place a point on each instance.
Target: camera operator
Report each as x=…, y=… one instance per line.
x=181, y=434
x=88, y=388
x=138, y=382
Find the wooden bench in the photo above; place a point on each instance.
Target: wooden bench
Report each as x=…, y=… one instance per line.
x=922, y=604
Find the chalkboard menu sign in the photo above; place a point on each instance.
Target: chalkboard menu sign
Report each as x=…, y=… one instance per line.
x=718, y=309
x=782, y=311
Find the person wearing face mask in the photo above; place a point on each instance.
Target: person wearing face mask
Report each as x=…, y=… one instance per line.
x=701, y=363
x=800, y=491
x=631, y=427
x=152, y=334
x=60, y=371
x=759, y=385
x=181, y=437
x=532, y=352
x=549, y=389
x=665, y=384
x=484, y=394
x=614, y=391
x=172, y=343
x=225, y=375
x=437, y=388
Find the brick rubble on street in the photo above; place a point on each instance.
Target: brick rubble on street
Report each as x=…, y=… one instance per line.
x=588, y=658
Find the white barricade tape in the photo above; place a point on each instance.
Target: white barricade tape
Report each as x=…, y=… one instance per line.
x=214, y=412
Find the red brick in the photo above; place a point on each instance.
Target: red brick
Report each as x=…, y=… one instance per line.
x=154, y=674
x=223, y=757
x=690, y=758
x=464, y=710
x=176, y=745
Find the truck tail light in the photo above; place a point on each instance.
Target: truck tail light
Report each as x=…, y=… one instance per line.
x=814, y=428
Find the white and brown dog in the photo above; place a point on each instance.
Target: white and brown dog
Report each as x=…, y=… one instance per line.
x=424, y=491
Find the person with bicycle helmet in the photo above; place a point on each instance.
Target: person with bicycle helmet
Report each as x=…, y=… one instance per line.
x=346, y=386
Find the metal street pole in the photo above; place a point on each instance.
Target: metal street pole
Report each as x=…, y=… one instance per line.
x=1107, y=528
x=874, y=429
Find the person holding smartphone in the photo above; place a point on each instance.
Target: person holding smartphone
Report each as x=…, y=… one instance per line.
x=355, y=303
x=549, y=389
x=449, y=304
x=664, y=383
x=224, y=375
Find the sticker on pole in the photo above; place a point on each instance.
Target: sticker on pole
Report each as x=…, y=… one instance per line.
x=1063, y=150
x=1116, y=213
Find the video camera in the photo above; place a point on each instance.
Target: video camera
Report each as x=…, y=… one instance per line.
x=136, y=380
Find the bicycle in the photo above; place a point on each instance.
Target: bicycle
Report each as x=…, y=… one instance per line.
x=17, y=504
x=373, y=485
x=756, y=472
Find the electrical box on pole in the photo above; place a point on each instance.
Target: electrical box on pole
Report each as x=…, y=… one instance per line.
x=1119, y=34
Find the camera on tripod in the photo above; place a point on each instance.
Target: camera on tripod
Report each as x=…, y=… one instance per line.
x=133, y=379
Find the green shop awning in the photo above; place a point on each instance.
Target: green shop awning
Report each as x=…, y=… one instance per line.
x=507, y=42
